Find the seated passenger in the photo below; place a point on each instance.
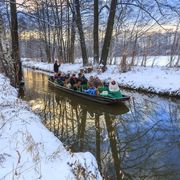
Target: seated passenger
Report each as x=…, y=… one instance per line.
x=67, y=76
x=77, y=86
x=67, y=83
x=114, y=91
x=59, y=74
x=113, y=86
x=73, y=80
x=97, y=82
x=67, y=80
x=82, y=78
x=91, y=80
x=62, y=77
x=91, y=89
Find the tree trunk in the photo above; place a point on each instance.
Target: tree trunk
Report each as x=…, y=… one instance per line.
x=15, y=44
x=81, y=33
x=58, y=20
x=2, y=54
x=73, y=34
x=96, y=37
x=48, y=45
x=109, y=31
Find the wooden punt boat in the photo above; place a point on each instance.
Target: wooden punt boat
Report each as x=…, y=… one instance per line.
x=90, y=97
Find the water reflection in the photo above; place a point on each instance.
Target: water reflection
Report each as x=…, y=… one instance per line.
x=138, y=142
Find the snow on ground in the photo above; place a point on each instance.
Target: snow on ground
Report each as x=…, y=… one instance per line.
x=29, y=151
x=150, y=60
x=49, y=67
x=157, y=79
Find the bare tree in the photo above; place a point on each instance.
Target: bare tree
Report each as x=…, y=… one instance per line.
x=81, y=33
x=3, y=62
x=95, y=33
x=15, y=44
x=108, y=35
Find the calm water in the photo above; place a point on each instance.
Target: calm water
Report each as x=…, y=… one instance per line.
x=137, y=140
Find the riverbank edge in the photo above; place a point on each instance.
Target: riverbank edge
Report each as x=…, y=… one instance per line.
x=174, y=94
x=25, y=119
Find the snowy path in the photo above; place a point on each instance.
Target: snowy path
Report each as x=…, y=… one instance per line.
x=29, y=151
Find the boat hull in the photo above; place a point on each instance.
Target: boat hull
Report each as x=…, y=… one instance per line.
x=94, y=98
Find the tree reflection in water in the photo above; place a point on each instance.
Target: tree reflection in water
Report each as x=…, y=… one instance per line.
x=142, y=142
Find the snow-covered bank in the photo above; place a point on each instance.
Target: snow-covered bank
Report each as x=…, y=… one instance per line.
x=29, y=151
x=158, y=79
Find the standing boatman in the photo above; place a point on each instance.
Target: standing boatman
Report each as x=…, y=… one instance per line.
x=56, y=68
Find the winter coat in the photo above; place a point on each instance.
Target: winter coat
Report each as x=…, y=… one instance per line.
x=56, y=67
x=113, y=88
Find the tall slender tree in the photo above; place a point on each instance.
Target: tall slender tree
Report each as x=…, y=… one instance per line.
x=81, y=33
x=109, y=31
x=95, y=33
x=15, y=44
x=2, y=53
x=73, y=36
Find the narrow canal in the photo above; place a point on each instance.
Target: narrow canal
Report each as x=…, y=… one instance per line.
x=137, y=140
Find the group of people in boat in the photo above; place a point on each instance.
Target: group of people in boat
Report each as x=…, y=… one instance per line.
x=80, y=83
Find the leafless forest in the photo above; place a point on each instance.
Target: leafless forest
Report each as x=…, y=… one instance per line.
x=101, y=29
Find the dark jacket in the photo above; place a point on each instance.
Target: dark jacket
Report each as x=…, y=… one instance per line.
x=83, y=80
x=56, y=67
